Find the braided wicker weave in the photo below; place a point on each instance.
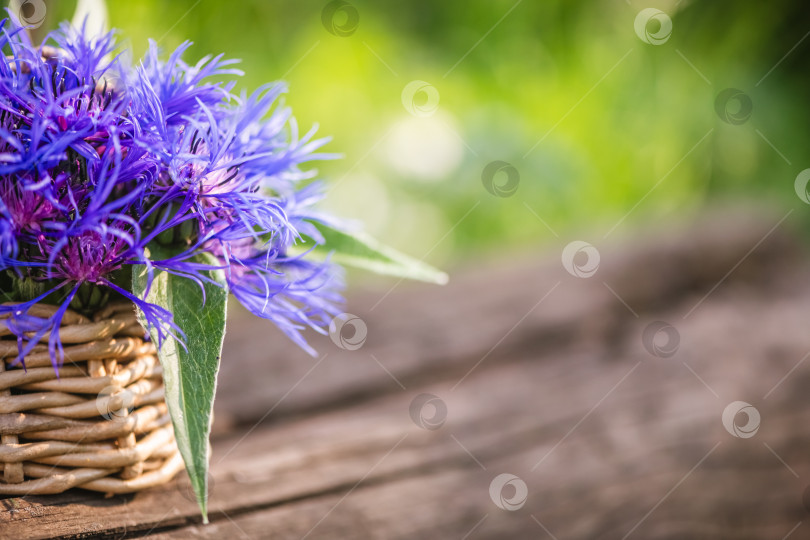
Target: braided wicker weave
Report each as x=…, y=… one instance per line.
x=101, y=425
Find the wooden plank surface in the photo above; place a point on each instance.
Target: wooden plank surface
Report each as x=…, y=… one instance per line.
x=544, y=376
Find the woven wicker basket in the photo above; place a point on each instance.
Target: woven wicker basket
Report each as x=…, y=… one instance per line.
x=101, y=425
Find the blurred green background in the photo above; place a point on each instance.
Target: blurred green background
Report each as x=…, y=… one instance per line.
x=606, y=131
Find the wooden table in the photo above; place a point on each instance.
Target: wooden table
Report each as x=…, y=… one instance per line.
x=529, y=371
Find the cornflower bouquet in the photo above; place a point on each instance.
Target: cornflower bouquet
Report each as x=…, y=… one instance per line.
x=159, y=186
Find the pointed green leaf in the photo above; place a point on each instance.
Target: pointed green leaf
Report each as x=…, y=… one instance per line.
x=189, y=376
x=362, y=251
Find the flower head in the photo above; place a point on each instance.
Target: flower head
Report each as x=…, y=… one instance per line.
x=100, y=160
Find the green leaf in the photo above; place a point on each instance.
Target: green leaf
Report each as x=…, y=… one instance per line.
x=362, y=251
x=189, y=376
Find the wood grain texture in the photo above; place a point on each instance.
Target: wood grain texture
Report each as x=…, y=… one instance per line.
x=610, y=441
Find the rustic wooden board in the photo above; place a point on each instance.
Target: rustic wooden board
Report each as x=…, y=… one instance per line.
x=610, y=441
x=418, y=331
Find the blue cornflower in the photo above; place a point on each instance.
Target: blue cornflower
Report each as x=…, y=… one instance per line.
x=101, y=161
